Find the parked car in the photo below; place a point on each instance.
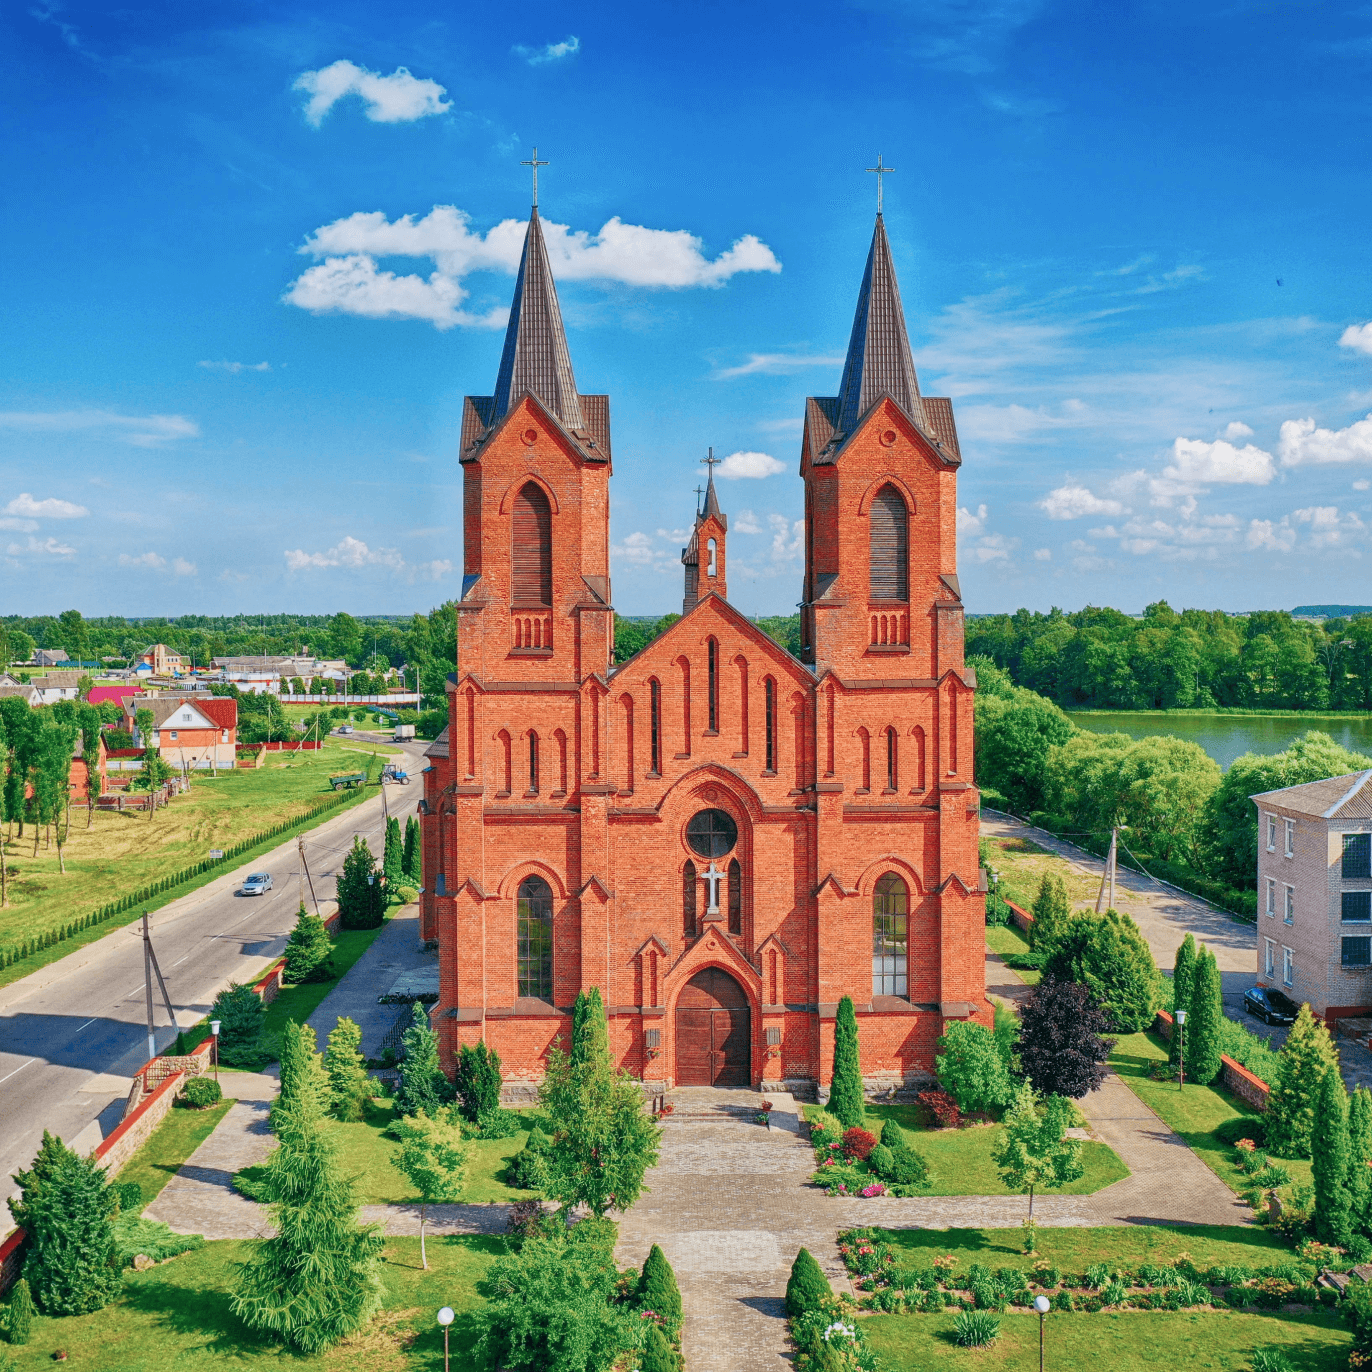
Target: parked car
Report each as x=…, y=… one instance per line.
x=344, y=729
x=256, y=885
x=1270, y=1006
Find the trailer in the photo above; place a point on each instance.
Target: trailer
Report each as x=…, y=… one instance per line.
x=348, y=780
x=403, y=731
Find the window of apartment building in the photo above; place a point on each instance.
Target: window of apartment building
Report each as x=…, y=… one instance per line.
x=1357, y=907
x=1271, y=833
x=1271, y=897
x=1269, y=957
x=1357, y=952
x=1290, y=838
x=1287, y=966
x=1290, y=904
x=173, y=735
x=1357, y=856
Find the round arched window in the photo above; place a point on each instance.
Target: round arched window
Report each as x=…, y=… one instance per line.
x=712, y=833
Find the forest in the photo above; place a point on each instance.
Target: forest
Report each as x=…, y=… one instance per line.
x=1099, y=658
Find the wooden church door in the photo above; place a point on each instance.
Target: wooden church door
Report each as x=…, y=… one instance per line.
x=713, y=1032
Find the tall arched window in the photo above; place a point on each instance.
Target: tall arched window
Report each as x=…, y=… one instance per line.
x=712, y=653
x=770, y=694
x=689, y=888
x=890, y=574
x=735, y=897
x=655, y=726
x=890, y=913
x=533, y=763
x=532, y=579
x=535, y=938
x=892, y=760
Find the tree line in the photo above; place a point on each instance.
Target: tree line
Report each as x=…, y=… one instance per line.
x=1193, y=659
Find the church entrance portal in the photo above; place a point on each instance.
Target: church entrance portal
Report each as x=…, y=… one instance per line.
x=713, y=1032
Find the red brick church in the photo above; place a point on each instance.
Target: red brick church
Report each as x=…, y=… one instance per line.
x=722, y=838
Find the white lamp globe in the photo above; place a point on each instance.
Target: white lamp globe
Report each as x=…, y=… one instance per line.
x=445, y=1316
x=1042, y=1304
x=214, y=1027
x=1181, y=1016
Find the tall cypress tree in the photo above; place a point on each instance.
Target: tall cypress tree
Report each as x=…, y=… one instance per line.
x=1204, y=1022
x=1360, y=1159
x=1051, y=908
x=1304, y=1058
x=1183, y=974
x=350, y=1088
x=845, y=1091
x=302, y=1073
x=411, y=859
x=422, y=1083
x=1329, y=1166
x=590, y=1035
x=393, y=857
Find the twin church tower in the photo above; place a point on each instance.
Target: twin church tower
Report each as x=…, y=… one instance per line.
x=723, y=839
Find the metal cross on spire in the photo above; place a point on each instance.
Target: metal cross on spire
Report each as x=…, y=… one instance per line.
x=879, y=169
x=711, y=461
x=536, y=164
x=700, y=491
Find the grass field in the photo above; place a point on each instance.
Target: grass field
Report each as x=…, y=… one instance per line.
x=1022, y=865
x=960, y=1159
x=176, y=1317
x=121, y=852
x=1006, y=940
x=172, y=1142
x=1131, y=1341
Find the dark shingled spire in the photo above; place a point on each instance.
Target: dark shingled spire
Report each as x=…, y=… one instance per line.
x=536, y=357
x=711, y=499
x=879, y=350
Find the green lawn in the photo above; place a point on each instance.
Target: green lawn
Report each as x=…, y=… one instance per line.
x=1007, y=940
x=172, y=1142
x=960, y=1159
x=1131, y=1341
x=1193, y=1111
x=176, y=1317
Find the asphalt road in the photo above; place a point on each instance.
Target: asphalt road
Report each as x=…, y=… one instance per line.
x=73, y=1034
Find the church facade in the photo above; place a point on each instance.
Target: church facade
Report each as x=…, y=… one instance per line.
x=722, y=838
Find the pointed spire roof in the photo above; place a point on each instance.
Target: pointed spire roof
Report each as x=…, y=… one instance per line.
x=879, y=358
x=536, y=358
x=711, y=500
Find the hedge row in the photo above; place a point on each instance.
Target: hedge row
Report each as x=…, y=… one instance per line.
x=17, y=952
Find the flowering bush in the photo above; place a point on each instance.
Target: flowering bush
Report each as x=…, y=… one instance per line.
x=858, y=1143
x=830, y=1338
x=875, y=1189
x=943, y=1108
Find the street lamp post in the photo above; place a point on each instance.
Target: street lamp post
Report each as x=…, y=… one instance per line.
x=445, y=1318
x=1181, y=1049
x=214, y=1047
x=1042, y=1304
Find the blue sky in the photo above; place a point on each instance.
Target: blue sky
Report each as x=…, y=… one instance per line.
x=256, y=254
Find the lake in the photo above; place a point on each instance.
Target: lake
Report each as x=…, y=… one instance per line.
x=1226, y=737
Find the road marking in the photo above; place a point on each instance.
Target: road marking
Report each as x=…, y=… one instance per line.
x=89, y=1022
x=20, y=1068
x=178, y=963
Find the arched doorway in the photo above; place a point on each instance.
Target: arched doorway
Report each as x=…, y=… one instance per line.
x=713, y=1032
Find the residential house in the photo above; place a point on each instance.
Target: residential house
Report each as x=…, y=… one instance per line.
x=63, y=685
x=1314, y=934
x=88, y=777
x=118, y=694
x=29, y=693
x=161, y=661
x=191, y=732
x=49, y=657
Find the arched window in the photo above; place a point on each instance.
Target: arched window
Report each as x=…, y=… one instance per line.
x=712, y=566
x=712, y=652
x=535, y=935
x=655, y=726
x=890, y=912
x=892, y=760
x=533, y=763
x=688, y=899
x=532, y=579
x=770, y=693
x=890, y=569
x=735, y=897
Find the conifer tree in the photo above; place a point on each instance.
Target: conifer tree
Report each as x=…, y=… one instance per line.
x=1183, y=972
x=807, y=1287
x=422, y=1083
x=350, y=1088
x=590, y=1036
x=1051, y=908
x=241, y=1017
x=477, y=1081
x=412, y=860
x=658, y=1291
x=361, y=903
x=1329, y=1165
x=1304, y=1058
x=1108, y=955
x=845, y=1091
x=19, y=1314
x=1204, y=1023
x=1360, y=1159
x=52, y=1152
x=316, y=1281
x=302, y=1073
x=308, y=950
x=433, y=1155
x=393, y=857
x=658, y=1354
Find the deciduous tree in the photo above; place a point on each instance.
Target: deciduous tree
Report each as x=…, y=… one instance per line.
x=1061, y=1048
x=1034, y=1151
x=433, y=1156
x=971, y=1067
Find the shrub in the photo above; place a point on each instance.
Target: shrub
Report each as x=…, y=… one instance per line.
x=892, y=1135
x=908, y=1168
x=1097, y=1275
x=202, y=1092
x=975, y=1329
x=241, y=1016
x=1357, y=1313
x=807, y=1286
x=1064, y=1301
x=1245, y=1127
x=134, y=1235
x=943, y=1108
x=1270, y=1360
x=658, y=1291
x=931, y=1303
x=858, y=1144
x=129, y=1195
x=528, y=1169
x=19, y=1314
x=658, y=1353
x=879, y=1160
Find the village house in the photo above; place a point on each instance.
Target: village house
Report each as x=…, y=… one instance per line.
x=190, y=732
x=161, y=661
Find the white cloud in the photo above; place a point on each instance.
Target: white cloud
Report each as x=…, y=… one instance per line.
x=1072, y=501
x=1269, y=537
x=233, y=368
x=757, y=465
x=1301, y=442
x=1043, y=554
x=1236, y=429
x=48, y=547
x=180, y=567
x=745, y=522
x=637, y=547
x=143, y=431
x=992, y=548
x=395, y=99
x=26, y=507
x=19, y=526
x=793, y=425
x=152, y=561
x=549, y=52
x=778, y=364
x=1328, y=528
x=1195, y=462
x=1016, y=423
x=969, y=523
x=788, y=538
x=1362, y=485
x=1358, y=337
x=354, y=553
x=349, y=280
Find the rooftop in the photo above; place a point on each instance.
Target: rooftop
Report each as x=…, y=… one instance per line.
x=1341, y=797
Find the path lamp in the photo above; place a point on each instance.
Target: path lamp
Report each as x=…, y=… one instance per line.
x=1181, y=1049
x=445, y=1318
x=1042, y=1304
x=214, y=1047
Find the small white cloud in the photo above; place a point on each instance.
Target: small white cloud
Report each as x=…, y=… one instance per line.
x=395, y=99
x=788, y=538
x=143, y=431
x=636, y=548
x=1043, y=554
x=1236, y=429
x=233, y=368
x=745, y=522
x=969, y=523
x=1362, y=485
x=1300, y=442
x=778, y=364
x=47, y=547
x=549, y=52
x=354, y=553
x=1358, y=337
x=19, y=526
x=180, y=567
x=1328, y=528
x=992, y=548
x=149, y=560
x=1270, y=537
x=1195, y=462
x=1072, y=501
x=756, y=465
x=26, y=507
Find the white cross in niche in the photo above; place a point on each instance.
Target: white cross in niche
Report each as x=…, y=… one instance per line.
x=714, y=876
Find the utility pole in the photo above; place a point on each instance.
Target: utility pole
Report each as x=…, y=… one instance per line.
x=1108, y=876
x=150, y=968
x=306, y=868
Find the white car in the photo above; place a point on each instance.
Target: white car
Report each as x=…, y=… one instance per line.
x=256, y=885
x=344, y=729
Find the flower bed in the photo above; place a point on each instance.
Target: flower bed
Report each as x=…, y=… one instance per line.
x=851, y=1162
x=1179, y=1285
